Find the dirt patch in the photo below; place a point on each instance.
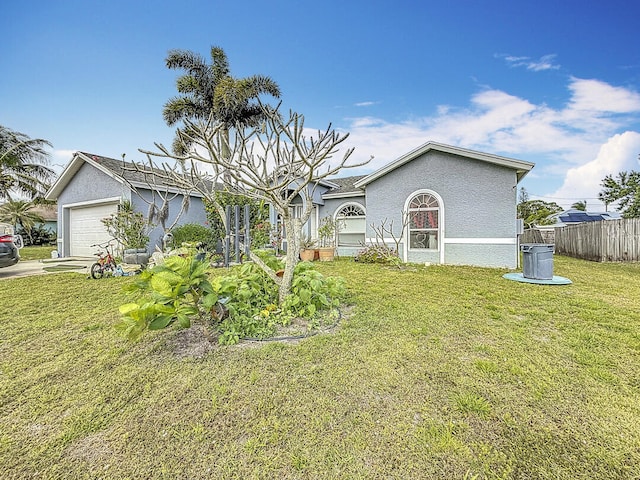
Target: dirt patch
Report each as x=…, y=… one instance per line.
x=194, y=342
x=93, y=449
x=198, y=340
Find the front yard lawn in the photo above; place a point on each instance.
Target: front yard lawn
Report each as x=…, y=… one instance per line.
x=438, y=372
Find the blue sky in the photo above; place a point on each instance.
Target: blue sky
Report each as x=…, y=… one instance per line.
x=556, y=83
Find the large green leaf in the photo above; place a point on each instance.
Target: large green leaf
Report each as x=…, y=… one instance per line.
x=160, y=322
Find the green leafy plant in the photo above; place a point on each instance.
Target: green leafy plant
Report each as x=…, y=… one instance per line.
x=312, y=292
x=193, y=233
x=176, y=291
x=327, y=231
x=242, y=303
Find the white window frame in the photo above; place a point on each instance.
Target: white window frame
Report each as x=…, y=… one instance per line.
x=439, y=230
x=336, y=218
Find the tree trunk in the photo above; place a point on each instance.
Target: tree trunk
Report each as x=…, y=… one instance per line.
x=293, y=228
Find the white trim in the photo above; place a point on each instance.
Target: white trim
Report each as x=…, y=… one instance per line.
x=482, y=241
x=342, y=195
x=521, y=167
x=92, y=202
x=373, y=240
x=441, y=236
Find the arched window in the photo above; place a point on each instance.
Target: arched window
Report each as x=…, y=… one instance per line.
x=424, y=212
x=351, y=225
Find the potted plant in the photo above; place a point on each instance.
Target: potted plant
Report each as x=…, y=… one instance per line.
x=327, y=234
x=307, y=251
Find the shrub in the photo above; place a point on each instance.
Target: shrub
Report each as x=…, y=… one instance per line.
x=128, y=227
x=193, y=233
x=39, y=235
x=378, y=254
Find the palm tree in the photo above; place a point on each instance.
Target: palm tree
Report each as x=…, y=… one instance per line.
x=23, y=163
x=210, y=90
x=581, y=205
x=21, y=213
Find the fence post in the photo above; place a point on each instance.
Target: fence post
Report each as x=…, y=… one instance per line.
x=237, y=234
x=227, y=237
x=247, y=230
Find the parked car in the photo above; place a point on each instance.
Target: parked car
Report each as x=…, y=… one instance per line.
x=9, y=246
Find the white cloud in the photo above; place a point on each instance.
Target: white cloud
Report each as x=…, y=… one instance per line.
x=365, y=104
x=546, y=62
x=600, y=97
x=570, y=144
x=619, y=153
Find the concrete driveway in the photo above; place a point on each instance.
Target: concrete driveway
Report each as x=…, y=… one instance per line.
x=40, y=267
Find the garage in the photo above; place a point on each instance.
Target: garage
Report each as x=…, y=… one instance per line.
x=86, y=228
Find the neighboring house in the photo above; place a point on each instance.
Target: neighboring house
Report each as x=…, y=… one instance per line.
x=49, y=214
x=91, y=188
x=461, y=206
x=573, y=216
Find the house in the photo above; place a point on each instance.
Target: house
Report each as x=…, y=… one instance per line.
x=443, y=204
x=572, y=217
x=90, y=188
x=460, y=205
x=49, y=214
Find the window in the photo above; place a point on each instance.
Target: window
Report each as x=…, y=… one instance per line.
x=424, y=211
x=351, y=225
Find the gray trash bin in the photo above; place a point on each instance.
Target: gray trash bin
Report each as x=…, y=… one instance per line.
x=537, y=260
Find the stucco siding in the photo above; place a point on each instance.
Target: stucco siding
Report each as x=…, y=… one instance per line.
x=486, y=255
x=90, y=184
x=479, y=201
x=195, y=214
x=332, y=204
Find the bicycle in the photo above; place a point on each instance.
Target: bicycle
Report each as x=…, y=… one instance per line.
x=106, y=264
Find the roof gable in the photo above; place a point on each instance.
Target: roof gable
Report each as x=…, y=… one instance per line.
x=345, y=187
x=104, y=164
x=121, y=171
x=521, y=167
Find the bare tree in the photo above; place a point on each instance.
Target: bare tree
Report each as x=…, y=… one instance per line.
x=385, y=230
x=273, y=161
x=160, y=195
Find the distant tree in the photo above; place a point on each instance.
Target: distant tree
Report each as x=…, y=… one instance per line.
x=536, y=212
x=21, y=213
x=210, y=90
x=524, y=195
x=23, y=163
x=624, y=189
x=581, y=205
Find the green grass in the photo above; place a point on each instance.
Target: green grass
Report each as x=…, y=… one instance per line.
x=439, y=372
x=39, y=252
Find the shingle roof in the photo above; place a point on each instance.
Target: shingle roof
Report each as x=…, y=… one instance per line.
x=126, y=170
x=121, y=171
x=345, y=185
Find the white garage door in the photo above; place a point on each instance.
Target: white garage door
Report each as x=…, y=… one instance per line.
x=86, y=229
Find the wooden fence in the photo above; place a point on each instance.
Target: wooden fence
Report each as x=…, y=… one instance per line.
x=604, y=241
x=532, y=235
